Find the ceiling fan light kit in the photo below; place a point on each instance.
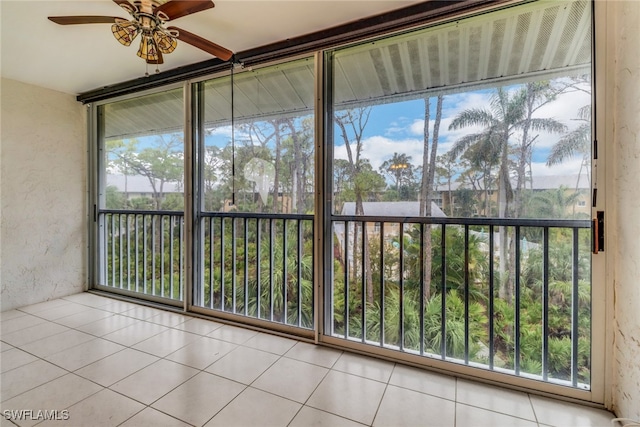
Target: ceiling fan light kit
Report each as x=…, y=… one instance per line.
x=149, y=18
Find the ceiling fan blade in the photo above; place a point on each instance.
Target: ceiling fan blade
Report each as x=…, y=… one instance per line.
x=72, y=20
x=125, y=4
x=121, y=2
x=200, y=43
x=175, y=9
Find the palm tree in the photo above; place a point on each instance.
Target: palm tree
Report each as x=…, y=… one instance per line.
x=508, y=113
x=555, y=203
x=400, y=169
x=428, y=178
x=576, y=142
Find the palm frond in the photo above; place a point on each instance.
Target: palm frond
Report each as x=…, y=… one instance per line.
x=548, y=125
x=462, y=144
x=575, y=142
x=472, y=117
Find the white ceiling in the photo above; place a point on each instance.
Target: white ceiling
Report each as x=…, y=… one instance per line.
x=79, y=58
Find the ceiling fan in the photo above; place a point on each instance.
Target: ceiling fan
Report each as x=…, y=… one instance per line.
x=149, y=19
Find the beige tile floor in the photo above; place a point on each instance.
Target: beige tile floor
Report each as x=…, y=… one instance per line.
x=115, y=363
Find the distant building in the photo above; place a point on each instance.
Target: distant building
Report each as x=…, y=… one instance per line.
x=134, y=186
x=446, y=196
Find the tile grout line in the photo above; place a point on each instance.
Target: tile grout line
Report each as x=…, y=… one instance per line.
x=384, y=392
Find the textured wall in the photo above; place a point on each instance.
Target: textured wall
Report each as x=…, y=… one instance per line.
x=43, y=182
x=625, y=21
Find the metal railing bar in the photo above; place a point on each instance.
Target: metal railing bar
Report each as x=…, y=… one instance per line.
x=545, y=305
x=363, y=291
x=107, y=241
x=181, y=258
x=211, y=261
x=516, y=280
x=153, y=255
x=382, y=290
x=271, y=233
x=575, y=306
x=285, y=297
x=257, y=215
x=466, y=294
x=524, y=222
x=443, y=289
x=258, y=268
x=222, y=263
x=127, y=217
x=346, y=279
x=120, y=241
x=141, y=212
x=299, y=272
x=144, y=253
x=234, y=264
x=113, y=251
x=422, y=284
x=137, y=250
x=492, y=349
x=171, y=237
x=162, y=260
x=401, y=284
x=246, y=266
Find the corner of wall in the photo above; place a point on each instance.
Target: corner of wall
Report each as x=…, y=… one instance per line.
x=623, y=105
x=43, y=185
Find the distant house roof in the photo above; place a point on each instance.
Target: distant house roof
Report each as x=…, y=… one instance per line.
x=540, y=182
x=404, y=209
x=140, y=184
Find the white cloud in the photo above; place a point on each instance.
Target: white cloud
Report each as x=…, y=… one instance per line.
x=569, y=167
x=221, y=131
x=380, y=148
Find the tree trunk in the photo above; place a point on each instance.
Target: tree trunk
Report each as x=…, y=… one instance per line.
x=426, y=192
x=504, y=197
x=276, y=178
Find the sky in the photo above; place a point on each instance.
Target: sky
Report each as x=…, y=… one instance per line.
x=399, y=127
